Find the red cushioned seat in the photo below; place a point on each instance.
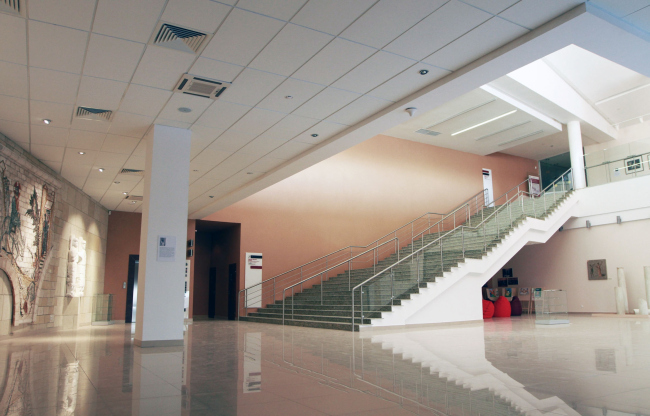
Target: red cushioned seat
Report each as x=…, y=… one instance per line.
x=515, y=306
x=502, y=308
x=488, y=309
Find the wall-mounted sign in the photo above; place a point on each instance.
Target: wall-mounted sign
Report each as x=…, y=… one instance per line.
x=255, y=261
x=534, y=185
x=166, y=248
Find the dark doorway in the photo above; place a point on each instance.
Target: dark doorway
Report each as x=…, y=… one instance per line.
x=212, y=291
x=232, y=291
x=132, y=289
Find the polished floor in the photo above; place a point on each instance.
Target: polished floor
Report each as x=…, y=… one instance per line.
x=593, y=366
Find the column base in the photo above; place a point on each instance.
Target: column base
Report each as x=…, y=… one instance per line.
x=159, y=343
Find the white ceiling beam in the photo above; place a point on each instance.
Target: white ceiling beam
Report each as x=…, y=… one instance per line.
x=523, y=107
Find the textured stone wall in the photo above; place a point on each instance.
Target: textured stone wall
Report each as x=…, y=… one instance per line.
x=72, y=213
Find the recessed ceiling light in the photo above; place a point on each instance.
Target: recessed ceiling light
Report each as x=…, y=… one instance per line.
x=133, y=202
x=125, y=193
x=249, y=173
x=195, y=170
x=423, y=71
x=211, y=196
x=116, y=182
x=101, y=169
x=288, y=97
x=82, y=153
x=314, y=135
x=184, y=109
x=485, y=122
x=47, y=121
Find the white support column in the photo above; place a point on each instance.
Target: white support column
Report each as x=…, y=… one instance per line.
x=577, y=155
x=160, y=282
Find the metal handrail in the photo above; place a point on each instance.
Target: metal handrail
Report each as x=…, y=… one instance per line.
x=396, y=240
x=618, y=160
x=394, y=232
x=460, y=227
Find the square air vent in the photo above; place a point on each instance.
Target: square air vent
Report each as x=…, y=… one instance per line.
x=87, y=113
x=179, y=38
x=134, y=197
x=12, y=7
x=203, y=87
x=428, y=132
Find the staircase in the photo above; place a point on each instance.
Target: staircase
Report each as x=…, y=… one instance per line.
x=396, y=286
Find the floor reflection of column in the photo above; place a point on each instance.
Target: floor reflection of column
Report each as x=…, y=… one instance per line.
x=187, y=370
x=15, y=384
x=252, y=362
x=157, y=364
x=68, y=382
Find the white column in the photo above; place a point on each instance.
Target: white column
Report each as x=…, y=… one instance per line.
x=577, y=155
x=159, y=319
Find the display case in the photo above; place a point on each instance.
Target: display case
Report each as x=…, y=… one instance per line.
x=102, y=309
x=551, y=307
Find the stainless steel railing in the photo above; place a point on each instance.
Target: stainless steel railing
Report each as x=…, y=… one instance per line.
x=561, y=185
x=628, y=167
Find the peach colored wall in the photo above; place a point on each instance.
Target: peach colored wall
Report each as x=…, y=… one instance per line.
x=561, y=263
x=359, y=195
x=124, y=240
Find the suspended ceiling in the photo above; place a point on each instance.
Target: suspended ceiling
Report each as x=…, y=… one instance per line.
x=341, y=62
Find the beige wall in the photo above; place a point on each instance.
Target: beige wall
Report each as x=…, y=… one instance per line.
x=561, y=263
x=360, y=194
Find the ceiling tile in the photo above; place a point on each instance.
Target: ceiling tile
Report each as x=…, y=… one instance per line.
x=621, y=8
x=76, y=14
x=545, y=10
x=13, y=34
x=264, y=165
x=14, y=79
x=55, y=166
x=241, y=37
x=324, y=129
x=280, y=9
x=288, y=128
x=202, y=15
x=222, y=114
x=100, y=93
x=484, y=39
x=251, y=86
x=140, y=149
x=102, y=184
x=50, y=153
x=106, y=160
x=54, y=86
x=109, y=172
x=299, y=91
x=200, y=186
x=257, y=121
x=196, y=104
x=119, y=144
x=56, y=47
x=289, y=150
x=209, y=158
x=261, y=146
x=112, y=199
x=132, y=125
x=49, y=135
x=290, y=49
x=18, y=132
x=492, y=6
x=95, y=193
x=375, y=70
x=333, y=61
x=232, y=165
x=135, y=162
x=210, y=68
x=172, y=123
x=359, y=110
x=441, y=27
x=90, y=125
x=408, y=82
x=14, y=109
x=112, y=58
x=60, y=114
x=77, y=181
x=143, y=100
x=86, y=140
x=388, y=19
x=128, y=19
x=162, y=67
x=325, y=103
x=72, y=167
x=640, y=19
x=201, y=137
x=230, y=141
x=331, y=16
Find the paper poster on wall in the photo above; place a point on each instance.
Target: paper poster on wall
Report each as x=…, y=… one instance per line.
x=534, y=185
x=166, y=248
x=537, y=293
x=252, y=278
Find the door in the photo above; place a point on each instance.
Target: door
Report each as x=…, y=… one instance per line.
x=132, y=289
x=232, y=291
x=487, y=186
x=212, y=292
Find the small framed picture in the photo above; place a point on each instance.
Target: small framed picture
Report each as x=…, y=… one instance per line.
x=633, y=165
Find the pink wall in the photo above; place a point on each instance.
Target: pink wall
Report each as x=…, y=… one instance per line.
x=359, y=195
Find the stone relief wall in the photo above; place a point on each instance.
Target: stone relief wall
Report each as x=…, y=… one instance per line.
x=39, y=213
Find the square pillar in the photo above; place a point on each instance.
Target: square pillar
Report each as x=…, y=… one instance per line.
x=159, y=316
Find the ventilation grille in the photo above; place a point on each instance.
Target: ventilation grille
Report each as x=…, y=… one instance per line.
x=179, y=38
x=428, y=132
x=97, y=114
x=134, y=197
x=134, y=172
x=202, y=87
x=11, y=6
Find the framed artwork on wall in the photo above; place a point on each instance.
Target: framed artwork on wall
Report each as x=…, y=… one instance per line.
x=597, y=269
x=633, y=165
